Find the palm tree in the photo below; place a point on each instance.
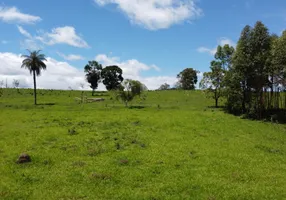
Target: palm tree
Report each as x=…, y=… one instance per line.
x=34, y=63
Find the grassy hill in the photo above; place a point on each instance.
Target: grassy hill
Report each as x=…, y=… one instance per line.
x=172, y=146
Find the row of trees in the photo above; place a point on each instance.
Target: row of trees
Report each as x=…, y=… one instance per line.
x=187, y=80
x=110, y=76
x=252, y=77
x=15, y=84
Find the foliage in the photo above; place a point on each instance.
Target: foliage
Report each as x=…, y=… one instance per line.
x=164, y=86
x=34, y=62
x=224, y=55
x=257, y=74
x=1, y=87
x=92, y=70
x=16, y=83
x=111, y=77
x=212, y=82
x=188, y=78
x=278, y=76
x=129, y=90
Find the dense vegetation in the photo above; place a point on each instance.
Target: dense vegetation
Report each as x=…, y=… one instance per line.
x=251, y=77
x=171, y=146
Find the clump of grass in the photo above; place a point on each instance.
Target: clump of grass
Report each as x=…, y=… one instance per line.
x=72, y=131
x=78, y=164
x=124, y=162
x=95, y=151
x=118, y=146
x=100, y=176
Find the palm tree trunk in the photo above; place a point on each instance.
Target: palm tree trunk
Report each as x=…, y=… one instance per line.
x=35, y=87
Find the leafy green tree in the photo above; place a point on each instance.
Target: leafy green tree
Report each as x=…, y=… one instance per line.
x=34, y=62
x=259, y=75
x=212, y=82
x=237, y=77
x=111, y=77
x=188, y=78
x=224, y=55
x=1, y=87
x=164, y=86
x=16, y=84
x=129, y=90
x=279, y=60
x=92, y=70
x=248, y=76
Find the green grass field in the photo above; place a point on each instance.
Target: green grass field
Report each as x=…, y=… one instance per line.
x=172, y=146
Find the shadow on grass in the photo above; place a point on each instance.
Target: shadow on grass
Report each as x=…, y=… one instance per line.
x=136, y=107
x=218, y=107
x=46, y=104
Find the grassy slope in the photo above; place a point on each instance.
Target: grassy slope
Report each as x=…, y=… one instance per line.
x=181, y=151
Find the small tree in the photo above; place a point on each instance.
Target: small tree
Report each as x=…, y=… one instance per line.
x=129, y=90
x=16, y=84
x=212, y=82
x=188, y=78
x=164, y=86
x=92, y=70
x=1, y=87
x=81, y=85
x=111, y=77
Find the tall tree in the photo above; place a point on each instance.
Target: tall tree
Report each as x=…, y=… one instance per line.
x=188, y=78
x=260, y=46
x=224, y=55
x=92, y=70
x=34, y=62
x=212, y=82
x=237, y=77
x=279, y=60
x=111, y=77
x=248, y=77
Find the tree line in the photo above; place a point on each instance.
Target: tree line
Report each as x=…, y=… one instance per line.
x=250, y=77
x=110, y=76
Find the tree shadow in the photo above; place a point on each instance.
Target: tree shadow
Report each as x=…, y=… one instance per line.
x=136, y=107
x=218, y=107
x=46, y=104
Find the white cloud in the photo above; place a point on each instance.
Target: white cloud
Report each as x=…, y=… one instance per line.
x=30, y=42
x=24, y=32
x=13, y=15
x=207, y=50
x=131, y=68
x=71, y=57
x=63, y=35
x=156, y=14
x=212, y=51
x=62, y=75
x=59, y=75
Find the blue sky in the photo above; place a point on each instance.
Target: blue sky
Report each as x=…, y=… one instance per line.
x=152, y=40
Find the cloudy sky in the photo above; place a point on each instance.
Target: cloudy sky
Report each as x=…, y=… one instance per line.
x=151, y=40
